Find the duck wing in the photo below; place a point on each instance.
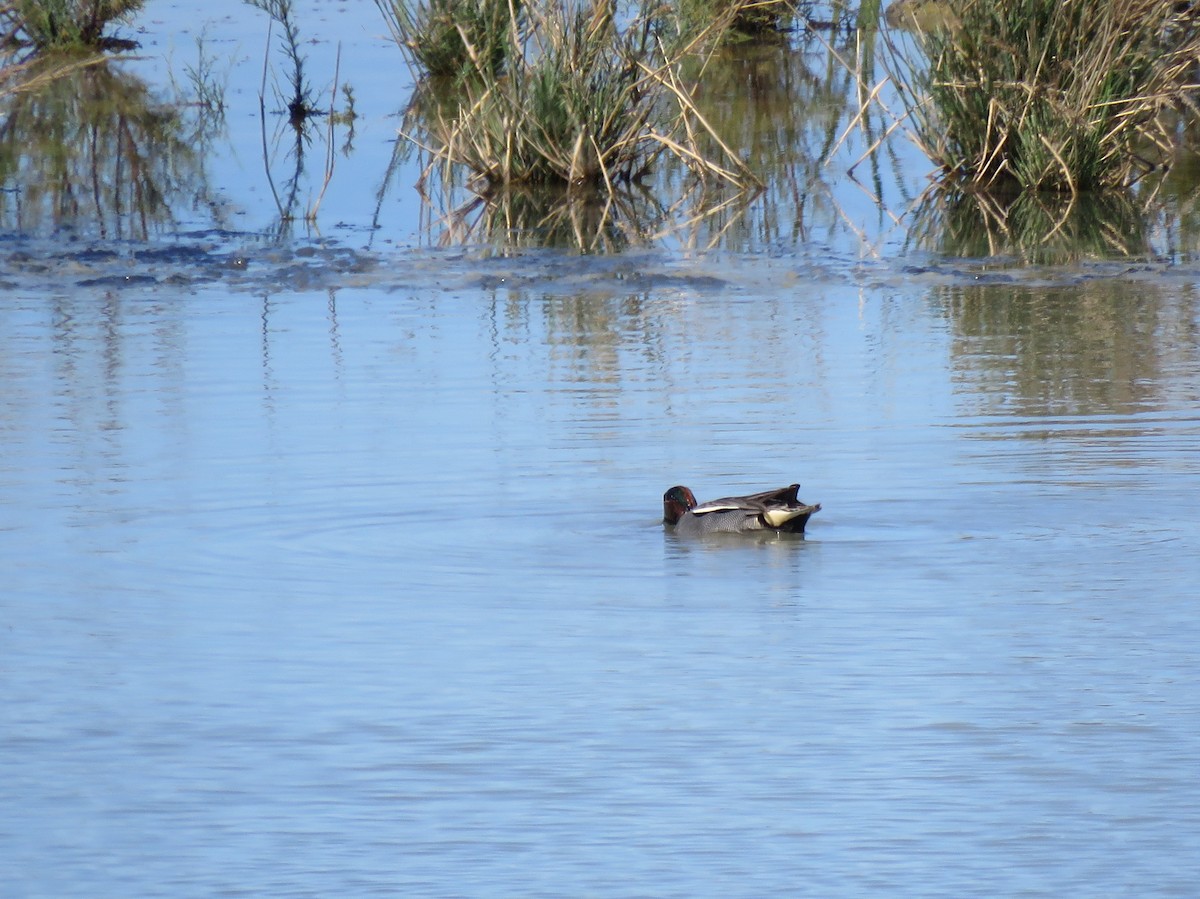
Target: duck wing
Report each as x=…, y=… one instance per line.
x=754, y=502
x=778, y=509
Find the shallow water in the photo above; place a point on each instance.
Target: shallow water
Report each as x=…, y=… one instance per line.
x=336, y=568
x=365, y=592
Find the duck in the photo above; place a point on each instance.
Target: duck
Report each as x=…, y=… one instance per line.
x=772, y=510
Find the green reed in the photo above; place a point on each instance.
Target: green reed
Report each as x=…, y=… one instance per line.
x=738, y=19
x=63, y=23
x=452, y=37
x=1062, y=95
x=580, y=100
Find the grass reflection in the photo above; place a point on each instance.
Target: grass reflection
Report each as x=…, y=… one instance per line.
x=600, y=339
x=1159, y=219
x=1177, y=223
x=593, y=222
x=103, y=152
x=1092, y=348
x=781, y=107
x=528, y=217
x=94, y=147
x=777, y=106
x=1038, y=229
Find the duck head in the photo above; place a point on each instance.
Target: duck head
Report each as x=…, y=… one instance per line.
x=676, y=502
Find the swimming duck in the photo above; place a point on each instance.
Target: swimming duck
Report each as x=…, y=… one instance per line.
x=772, y=510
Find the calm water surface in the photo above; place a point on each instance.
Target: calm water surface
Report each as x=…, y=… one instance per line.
x=364, y=591
x=334, y=568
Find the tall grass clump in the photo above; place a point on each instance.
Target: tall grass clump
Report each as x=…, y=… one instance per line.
x=1050, y=95
x=580, y=101
x=452, y=37
x=735, y=19
x=63, y=23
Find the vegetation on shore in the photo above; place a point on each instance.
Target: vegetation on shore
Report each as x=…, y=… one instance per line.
x=452, y=37
x=736, y=20
x=1050, y=95
x=579, y=100
x=63, y=24
x=43, y=40
x=567, y=106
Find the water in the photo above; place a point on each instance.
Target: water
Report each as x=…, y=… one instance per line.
x=333, y=563
x=365, y=592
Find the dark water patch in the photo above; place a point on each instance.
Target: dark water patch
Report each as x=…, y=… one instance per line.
x=118, y=281
x=174, y=254
x=48, y=265
x=1006, y=270
x=567, y=271
x=96, y=255
x=245, y=262
x=261, y=264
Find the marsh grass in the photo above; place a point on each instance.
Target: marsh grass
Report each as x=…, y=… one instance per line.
x=581, y=102
x=735, y=20
x=65, y=23
x=301, y=103
x=1049, y=95
x=452, y=37
x=206, y=86
x=31, y=75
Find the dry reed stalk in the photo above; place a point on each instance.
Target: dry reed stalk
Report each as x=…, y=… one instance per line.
x=1071, y=94
x=33, y=74
x=581, y=101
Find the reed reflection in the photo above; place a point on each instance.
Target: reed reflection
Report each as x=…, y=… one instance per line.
x=1177, y=223
x=1104, y=347
x=1032, y=228
x=777, y=107
x=782, y=106
x=666, y=206
x=96, y=150
x=600, y=336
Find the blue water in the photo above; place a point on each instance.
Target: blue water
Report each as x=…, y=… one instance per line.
x=364, y=592
x=334, y=567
